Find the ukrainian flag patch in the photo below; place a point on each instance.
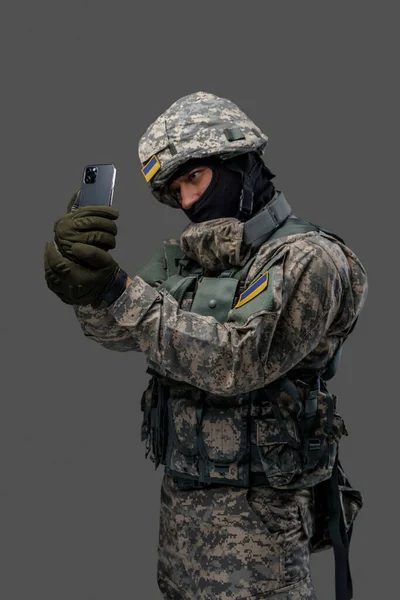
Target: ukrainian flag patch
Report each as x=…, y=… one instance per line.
x=151, y=168
x=256, y=288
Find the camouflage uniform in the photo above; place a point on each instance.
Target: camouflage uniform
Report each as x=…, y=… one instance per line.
x=224, y=534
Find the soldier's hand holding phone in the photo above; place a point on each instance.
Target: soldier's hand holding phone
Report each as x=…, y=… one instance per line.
x=78, y=268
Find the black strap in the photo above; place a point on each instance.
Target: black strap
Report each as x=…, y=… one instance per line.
x=118, y=286
x=257, y=230
x=339, y=537
x=312, y=445
x=246, y=197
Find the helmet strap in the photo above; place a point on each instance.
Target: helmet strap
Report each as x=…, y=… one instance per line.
x=246, y=198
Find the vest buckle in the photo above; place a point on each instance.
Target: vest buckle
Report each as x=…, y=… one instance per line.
x=312, y=452
x=228, y=273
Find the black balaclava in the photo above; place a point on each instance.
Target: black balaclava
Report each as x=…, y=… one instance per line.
x=256, y=181
x=222, y=197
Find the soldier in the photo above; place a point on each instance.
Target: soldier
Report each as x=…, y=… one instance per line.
x=242, y=321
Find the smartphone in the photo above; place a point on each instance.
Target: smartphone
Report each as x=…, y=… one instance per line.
x=97, y=188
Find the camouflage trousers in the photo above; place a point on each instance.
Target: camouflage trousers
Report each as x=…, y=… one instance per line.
x=229, y=543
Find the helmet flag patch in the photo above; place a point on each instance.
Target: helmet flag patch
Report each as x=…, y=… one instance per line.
x=151, y=168
x=256, y=288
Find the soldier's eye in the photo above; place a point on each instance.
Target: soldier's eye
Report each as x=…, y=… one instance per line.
x=194, y=175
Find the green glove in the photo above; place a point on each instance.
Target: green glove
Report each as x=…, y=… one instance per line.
x=93, y=225
x=74, y=199
x=85, y=281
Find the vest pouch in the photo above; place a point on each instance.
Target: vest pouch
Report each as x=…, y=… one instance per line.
x=214, y=297
x=351, y=503
x=207, y=442
x=182, y=454
x=324, y=438
x=280, y=461
x=223, y=439
x=296, y=434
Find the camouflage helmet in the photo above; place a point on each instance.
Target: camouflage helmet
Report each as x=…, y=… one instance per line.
x=196, y=126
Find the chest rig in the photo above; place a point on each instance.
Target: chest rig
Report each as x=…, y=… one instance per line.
x=276, y=435
x=285, y=435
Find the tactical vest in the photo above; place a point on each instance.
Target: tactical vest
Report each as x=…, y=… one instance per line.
x=285, y=435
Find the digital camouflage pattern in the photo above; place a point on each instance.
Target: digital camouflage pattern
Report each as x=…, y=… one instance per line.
x=216, y=244
x=317, y=289
x=235, y=543
x=229, y=542
x=194, y=127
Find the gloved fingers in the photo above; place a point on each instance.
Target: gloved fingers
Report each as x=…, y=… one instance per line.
x=52, y=272
x=73, y=200
x=96, y=211
x=45, y=257
x=92, y=256
x=91, y=223
x=54, y=261
x=102, y=240
x=52, y=256
x=75, y=292
x=52, y=278
x=106, y=241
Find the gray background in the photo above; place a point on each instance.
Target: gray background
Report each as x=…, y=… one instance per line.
x=80, y=82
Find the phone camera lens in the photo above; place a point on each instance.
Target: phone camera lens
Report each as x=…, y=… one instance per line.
x=90, y=174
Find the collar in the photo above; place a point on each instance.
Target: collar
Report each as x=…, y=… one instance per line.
x=221, y=244
x=217, y=244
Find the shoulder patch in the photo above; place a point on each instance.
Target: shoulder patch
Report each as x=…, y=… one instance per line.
x=151, y=168
x=253, y=290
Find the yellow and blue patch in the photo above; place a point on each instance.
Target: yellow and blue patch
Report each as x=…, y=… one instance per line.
x=151, y=168
x=256, y=288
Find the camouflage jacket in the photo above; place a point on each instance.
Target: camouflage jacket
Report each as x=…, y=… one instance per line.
x=315, y=290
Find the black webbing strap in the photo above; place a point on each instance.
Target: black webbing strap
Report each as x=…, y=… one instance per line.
x=257, y=230
x=339, y=537
x=312, y=445
x=246, y=197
